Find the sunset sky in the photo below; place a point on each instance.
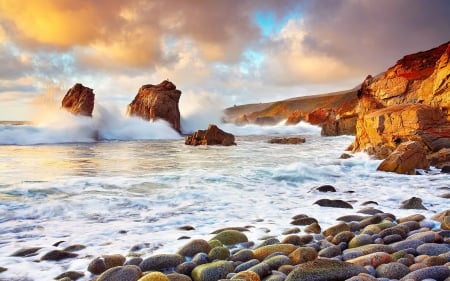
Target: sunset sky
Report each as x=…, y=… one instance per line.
x=230, y=52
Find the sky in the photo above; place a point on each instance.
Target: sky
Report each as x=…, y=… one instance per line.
x=226, y=52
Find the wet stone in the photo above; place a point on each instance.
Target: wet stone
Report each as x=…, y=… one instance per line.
x=72, y=275
x=393, y=270
x=26, y=252
x=57, y=255
x=433, y=249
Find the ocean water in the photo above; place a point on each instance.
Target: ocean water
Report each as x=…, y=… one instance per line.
x=113, y=184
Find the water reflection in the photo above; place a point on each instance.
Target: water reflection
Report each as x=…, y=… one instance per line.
x=52, y=162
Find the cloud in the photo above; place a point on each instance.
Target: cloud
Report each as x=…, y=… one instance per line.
x=289, y=62
x=372, y=35
x=221, y=47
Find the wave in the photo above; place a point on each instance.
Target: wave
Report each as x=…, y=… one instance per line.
x=108, y=124
x=60, y=126
x=302, y=128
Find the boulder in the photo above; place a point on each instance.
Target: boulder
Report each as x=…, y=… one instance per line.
x=410, y=101
x=408, y=157
x=212, y=136
x=160, y=101
x=79, y=100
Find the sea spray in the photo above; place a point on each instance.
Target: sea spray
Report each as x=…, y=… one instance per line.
x=200, y=110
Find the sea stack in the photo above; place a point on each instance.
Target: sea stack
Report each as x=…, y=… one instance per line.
x=409, y=102
x=160, y=101
x=212, y=136
x=79, y=100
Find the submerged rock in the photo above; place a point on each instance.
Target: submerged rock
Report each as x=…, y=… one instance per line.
x=212, y=136
x=160, y=101
x=79, y=100
x=291, y=140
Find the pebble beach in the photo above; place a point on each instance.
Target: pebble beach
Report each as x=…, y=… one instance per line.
x=367, y=245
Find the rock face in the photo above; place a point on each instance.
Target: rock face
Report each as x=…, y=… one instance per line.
x=160, y=101
x=212, y=136
x=79, y=100
x=409, y=102
x=405, y=159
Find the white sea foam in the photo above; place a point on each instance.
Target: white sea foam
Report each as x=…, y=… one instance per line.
x=111, y=196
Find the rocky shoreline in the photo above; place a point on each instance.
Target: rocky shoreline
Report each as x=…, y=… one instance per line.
x=365, y=245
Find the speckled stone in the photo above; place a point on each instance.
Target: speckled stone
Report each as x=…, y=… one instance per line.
x=302, y=255
x=393, y=270
x=406, y=244
x=242, y=255
x=276, y=261
x=161, y=262
x=246, y=265
x=193, y=247
x=231, y=237
x=127, y=272
x=105, y=262
x=212, y=271
x=262, y=269
x=374, y=259
x=344, y=236
x=219, y=253
x=335, y=229
x=330, y=252
x=313, y=228
x=324, y=270
x=433, y=249
x=440, y=272
x=153, y=276
x=178, y=277
x=298, y=240
x=246, y=276
x=263, y=252
x=360, y=240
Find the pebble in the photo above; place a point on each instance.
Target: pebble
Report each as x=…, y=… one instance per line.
x=212, y=271
x=434, y=272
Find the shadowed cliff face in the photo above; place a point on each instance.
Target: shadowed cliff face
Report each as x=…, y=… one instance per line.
x=160, y=101
x=410, y=101
x=79, y=100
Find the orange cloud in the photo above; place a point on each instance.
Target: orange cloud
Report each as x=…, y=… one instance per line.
x=58, y=24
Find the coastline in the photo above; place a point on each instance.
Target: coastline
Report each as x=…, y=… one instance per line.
x=364, y=245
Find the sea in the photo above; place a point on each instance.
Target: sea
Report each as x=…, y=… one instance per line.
x=120, y=185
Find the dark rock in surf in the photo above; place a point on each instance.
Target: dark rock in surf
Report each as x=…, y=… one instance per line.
x=79, y=100
x=333, y=203
x=57, y=255
x=212, y=136
x=413, y=203
x=326, y=188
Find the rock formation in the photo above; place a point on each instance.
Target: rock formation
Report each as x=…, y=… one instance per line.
x=79, y=100
x=405, y=159
x=335, y=110
x=160, y=101
x=410, y=101
x=212, y=136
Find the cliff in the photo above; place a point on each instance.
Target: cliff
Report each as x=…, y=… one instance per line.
x=160, y=101
x=410, y=101
x=327, y=110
